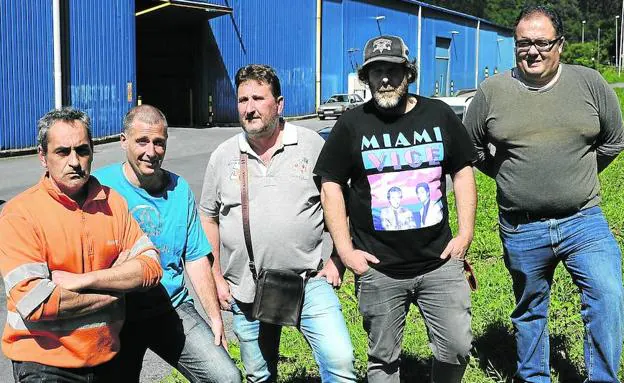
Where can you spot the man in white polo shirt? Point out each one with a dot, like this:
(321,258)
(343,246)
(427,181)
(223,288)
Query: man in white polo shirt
(286,224)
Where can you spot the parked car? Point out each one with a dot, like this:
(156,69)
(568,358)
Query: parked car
(338,104)
(459,103)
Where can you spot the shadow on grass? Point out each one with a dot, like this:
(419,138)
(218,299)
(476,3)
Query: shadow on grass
(496,354)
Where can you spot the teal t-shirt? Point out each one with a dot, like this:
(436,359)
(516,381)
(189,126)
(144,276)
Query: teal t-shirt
(172,223)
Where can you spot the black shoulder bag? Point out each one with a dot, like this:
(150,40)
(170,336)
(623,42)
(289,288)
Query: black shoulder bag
(279,293)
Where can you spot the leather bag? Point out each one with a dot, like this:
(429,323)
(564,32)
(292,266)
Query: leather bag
(279,292)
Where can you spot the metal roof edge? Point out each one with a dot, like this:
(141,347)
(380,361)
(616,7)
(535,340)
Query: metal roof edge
(203,4)
(456,13)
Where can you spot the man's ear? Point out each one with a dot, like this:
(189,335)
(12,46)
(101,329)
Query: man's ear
(42,157)
(280,105)
(123,140)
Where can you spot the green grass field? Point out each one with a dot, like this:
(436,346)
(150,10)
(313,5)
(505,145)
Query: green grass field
(493,359)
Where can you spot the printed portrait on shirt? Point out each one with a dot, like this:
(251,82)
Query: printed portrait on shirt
(406,200)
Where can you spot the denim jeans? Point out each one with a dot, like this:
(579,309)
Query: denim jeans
(183,339)
(591,255)
(322,324)
(31,372)
(443,297)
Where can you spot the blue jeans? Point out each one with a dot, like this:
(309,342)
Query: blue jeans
(322,324)
(591,255)
(31,372)
(183,339)
(443,297)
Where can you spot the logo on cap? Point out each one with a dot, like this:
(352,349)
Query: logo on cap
(382,45)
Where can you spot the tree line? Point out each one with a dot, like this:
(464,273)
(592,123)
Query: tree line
(598,14)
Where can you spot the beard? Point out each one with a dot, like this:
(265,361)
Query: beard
(390,97)
(265,131)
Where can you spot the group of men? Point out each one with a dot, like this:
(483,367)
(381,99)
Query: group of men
(93,266)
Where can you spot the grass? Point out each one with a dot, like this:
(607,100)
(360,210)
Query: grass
(494,353)
(610,73)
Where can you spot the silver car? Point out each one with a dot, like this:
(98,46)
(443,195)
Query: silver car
(338,104)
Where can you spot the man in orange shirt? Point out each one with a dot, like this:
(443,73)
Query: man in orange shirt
(60,247)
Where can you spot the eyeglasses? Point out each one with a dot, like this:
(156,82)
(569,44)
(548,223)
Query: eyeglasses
(540,45)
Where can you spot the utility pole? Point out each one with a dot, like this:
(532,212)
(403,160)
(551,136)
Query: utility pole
(617,43)
(598,63)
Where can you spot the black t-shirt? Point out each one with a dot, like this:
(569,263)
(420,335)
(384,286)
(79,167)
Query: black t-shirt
(396,167)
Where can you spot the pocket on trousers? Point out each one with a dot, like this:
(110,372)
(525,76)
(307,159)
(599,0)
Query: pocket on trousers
(591,212)
(507,227)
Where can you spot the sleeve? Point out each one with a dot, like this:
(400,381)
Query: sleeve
(335,161)
(460,150)
(26,276)
(141,248)
(197,244)
(610,141)
(210,203)
(475,122)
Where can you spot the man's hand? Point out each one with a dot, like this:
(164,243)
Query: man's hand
(70,281)
(216,325)
(357,261)
(223,292)
(456,248)
(333,271)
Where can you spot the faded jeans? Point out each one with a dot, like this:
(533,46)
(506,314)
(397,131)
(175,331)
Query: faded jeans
(322,325)
(31,372)
(184,340)
(443,297)
(588,250)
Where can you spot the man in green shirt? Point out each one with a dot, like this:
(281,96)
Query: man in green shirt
(543,131)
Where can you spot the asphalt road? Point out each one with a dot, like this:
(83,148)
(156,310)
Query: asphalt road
(188,151)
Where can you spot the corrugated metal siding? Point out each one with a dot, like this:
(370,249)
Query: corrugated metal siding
(356,21)
(462,50)
(26,70)
(360,25)
(334,57)
(281,35)
(102,61)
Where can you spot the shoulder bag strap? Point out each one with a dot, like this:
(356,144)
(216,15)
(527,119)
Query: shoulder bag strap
(245,207)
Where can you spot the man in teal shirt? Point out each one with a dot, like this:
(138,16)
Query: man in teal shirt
(164,318)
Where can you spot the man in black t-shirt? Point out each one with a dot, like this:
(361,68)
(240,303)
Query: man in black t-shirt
(399,140)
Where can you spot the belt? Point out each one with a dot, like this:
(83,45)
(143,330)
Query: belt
(520,217)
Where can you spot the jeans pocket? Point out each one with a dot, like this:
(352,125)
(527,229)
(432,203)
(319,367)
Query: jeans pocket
(590,212)
(506,226)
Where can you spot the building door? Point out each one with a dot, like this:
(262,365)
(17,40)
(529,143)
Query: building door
(169,57)
(442,59)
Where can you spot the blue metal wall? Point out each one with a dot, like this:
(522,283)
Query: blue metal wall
(335,58)
(26,70)
(462,50)
(102,61)
(355,21)
(282,35)
(496,51)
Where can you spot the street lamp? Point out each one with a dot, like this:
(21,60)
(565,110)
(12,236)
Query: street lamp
(583,32)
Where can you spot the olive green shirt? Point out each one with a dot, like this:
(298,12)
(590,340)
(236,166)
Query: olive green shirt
(545,147)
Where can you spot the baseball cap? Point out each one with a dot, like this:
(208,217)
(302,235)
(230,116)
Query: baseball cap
(385,48)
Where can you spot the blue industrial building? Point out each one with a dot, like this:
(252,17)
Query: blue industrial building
(104,56)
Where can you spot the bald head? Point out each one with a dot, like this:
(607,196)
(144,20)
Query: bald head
(144,113)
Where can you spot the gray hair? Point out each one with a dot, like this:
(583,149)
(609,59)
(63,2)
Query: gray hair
(146,113)
(67,114)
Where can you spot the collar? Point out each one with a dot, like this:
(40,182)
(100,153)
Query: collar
(289,137)
(543,88)
(95,191)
